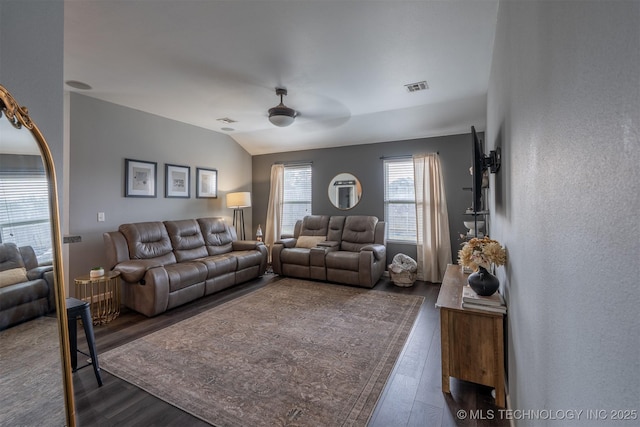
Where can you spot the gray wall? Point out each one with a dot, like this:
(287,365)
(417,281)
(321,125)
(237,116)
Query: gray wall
(364,162)
(102,135)
(564,105)
(31,64)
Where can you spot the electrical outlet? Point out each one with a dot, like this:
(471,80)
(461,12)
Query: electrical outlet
(100,216)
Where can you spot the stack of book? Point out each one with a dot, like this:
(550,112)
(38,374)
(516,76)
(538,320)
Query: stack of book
(493,303)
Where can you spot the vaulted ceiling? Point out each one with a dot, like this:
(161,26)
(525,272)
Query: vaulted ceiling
(344,63)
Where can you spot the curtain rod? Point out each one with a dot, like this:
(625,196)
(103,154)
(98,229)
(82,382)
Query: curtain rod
(296,162)
(405,156)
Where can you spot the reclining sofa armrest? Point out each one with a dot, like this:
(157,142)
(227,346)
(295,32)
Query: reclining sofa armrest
(38,272)
(289,242)
(379,251)
(133,271)
(246,245)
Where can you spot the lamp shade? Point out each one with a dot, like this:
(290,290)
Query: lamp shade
(241,199)
(282,119)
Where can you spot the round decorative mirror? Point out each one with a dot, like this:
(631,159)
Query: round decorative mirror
(344,191)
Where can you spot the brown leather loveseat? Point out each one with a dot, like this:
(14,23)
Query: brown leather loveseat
(167,264)
(26,288)
(340,249)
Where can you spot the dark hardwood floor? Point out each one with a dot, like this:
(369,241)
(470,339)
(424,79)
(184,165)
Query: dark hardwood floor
(412,396)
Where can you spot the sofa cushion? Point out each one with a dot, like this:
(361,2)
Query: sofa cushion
(13,276)
(185,274)
(336,224)
(147,240)
(23,293)
(314,225)
(343,260)
(247,259)
(299,256)
(217,265)
(309,241)
(359,231)
(187,240)
(10,257)
(217,235)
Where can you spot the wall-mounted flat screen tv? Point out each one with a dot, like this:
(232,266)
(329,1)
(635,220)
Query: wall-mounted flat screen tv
(477,170)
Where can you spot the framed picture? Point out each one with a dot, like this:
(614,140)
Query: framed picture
(177,181)
(140,178)
(207,183)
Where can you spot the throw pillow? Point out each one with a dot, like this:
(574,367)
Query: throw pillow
(309,241)
(13,276)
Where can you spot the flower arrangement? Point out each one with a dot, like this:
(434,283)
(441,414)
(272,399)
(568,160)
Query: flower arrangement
(483,252)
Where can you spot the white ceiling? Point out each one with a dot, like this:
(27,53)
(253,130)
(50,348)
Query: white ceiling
(344,63)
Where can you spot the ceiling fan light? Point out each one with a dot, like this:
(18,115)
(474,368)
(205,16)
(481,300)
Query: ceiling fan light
(281,115)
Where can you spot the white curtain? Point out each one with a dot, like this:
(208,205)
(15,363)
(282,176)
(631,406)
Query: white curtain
(432,221)
(274,210)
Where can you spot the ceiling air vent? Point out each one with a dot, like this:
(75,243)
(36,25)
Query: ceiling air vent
(415,87)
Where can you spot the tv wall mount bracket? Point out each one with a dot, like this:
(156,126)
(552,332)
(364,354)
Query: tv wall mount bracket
(492,161)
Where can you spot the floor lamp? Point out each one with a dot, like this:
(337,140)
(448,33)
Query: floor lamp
(238,201)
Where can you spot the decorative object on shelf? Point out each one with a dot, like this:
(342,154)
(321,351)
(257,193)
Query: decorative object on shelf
(238,201)
(259,234)
(96,272)
(475,228)
(483,255)
(483,282)
(403,270)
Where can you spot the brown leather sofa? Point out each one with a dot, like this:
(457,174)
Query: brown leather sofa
(167,264)
(341,249)
(26,288)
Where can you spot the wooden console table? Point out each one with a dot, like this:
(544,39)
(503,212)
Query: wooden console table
(472,340)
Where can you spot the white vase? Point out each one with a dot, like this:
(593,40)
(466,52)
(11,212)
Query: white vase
(96,273)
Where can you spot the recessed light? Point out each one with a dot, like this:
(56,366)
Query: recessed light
(78,85)
(227,129)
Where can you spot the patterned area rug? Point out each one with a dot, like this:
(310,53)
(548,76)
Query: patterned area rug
(31,375)
(294,353)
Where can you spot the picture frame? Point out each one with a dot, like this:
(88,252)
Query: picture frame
(140,178)
(206,183)
(177,181)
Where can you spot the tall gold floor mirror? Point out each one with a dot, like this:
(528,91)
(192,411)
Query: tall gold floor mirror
(36,387)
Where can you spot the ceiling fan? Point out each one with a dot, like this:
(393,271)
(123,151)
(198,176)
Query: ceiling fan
(281,115)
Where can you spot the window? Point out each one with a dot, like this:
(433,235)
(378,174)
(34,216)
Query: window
(24,213)
(297,196)
(399,200)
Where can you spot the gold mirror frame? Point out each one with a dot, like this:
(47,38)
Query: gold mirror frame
(19,118)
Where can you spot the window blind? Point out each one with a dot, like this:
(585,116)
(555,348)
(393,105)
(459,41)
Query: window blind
(297,196)
(24,213)
(399,200)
